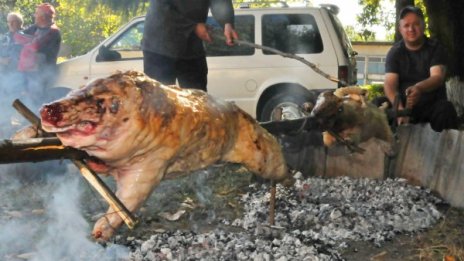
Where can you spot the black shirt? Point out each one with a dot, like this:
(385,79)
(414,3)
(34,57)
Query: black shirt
(170,24)
(414,66)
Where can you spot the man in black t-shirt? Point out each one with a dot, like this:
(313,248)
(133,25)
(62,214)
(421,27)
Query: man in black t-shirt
(415,68)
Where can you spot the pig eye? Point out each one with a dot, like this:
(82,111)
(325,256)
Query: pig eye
(100,108)
(114,106)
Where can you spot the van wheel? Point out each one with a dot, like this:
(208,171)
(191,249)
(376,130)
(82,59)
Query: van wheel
(287,106)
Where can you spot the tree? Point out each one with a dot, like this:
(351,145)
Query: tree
(373,15)
(446,23)
(84,25)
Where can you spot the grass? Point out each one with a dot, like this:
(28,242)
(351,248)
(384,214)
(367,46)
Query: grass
(445,241)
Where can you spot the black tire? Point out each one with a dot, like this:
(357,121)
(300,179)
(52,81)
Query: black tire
(293,101)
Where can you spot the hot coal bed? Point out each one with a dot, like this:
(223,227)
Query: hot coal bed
(315,219)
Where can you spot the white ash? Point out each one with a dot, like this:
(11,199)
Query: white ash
(314,219)
(335,210)
(222,245)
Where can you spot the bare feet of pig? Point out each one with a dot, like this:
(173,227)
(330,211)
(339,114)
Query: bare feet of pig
(106,226)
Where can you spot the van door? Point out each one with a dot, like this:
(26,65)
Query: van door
(230,69)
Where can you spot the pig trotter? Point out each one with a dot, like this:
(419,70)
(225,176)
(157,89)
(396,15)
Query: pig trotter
(103,229)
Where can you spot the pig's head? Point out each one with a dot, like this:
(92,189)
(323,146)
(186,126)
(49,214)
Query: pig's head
(327,106)
(109,118)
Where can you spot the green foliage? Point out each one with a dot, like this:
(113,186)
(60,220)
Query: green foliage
(352,34)
(83,27)
(374,90)
(128,7)
(5,8)
(83,23)
(374,15)
(25,7)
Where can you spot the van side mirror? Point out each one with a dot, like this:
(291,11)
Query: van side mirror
(107,55)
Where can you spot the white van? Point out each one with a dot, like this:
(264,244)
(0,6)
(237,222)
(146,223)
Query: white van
(257,81)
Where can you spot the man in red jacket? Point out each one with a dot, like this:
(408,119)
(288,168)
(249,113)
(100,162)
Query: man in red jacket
(41,43)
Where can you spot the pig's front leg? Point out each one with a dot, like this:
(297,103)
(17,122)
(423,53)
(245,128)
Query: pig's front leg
(133,188)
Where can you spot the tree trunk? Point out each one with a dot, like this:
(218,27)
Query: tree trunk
(446,23)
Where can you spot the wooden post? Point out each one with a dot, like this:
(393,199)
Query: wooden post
(272,203)
(106,193)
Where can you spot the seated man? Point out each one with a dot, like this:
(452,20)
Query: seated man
(415,68)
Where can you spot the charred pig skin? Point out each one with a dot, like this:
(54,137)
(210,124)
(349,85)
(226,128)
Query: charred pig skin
(347,112)
(144,132)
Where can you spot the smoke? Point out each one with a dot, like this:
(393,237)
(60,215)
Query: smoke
(41,203)
(43,221)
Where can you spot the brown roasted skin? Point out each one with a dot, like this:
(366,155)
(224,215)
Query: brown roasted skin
(145,132)
(347,113)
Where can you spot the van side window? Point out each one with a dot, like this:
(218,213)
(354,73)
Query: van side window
(245,27)
(291,33)
(127,46)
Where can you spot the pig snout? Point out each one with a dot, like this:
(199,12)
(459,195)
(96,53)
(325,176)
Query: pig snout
(52,113)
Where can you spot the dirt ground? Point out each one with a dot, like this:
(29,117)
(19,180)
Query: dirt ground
(444,240)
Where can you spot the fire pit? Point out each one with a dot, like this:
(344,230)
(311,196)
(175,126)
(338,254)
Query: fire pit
(225,218)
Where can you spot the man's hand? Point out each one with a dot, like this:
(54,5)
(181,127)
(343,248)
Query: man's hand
(230,34)
(201,30)
(413,94)
(403,120)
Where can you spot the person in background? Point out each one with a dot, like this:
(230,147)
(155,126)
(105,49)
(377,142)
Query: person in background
(415,69)
(11,81)
(172,39)
(10,50)
(41,44)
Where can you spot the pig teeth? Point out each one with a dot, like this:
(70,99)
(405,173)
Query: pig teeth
(85,126)
(58,129)
(84,123)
